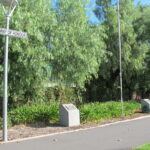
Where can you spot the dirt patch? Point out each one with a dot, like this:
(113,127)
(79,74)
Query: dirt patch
(24,131)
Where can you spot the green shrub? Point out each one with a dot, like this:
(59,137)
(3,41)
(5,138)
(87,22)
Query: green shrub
(130,107)
(47,113)
(108,110)
(61,94)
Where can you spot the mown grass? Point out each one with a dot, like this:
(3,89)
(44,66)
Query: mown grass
(144,147)
(49,113)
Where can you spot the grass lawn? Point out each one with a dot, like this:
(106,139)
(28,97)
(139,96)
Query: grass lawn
(144,147)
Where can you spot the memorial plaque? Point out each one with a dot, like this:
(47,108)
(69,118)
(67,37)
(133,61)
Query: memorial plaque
(69,115)
(145,103)
(70,106)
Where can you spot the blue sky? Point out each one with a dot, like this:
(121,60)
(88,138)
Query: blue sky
(145,2)
(91,6)
(92,17)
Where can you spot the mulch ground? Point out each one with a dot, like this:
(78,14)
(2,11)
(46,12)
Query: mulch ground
(25,131)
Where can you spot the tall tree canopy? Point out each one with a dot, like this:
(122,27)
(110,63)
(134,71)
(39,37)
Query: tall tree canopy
(106,87)
(61,38)
(142,29)
(76,51)
(76,47)
(27,58)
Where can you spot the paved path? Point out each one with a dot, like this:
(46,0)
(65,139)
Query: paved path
(120,136)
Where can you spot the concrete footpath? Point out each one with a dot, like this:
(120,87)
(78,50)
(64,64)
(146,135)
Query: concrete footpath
(119,136)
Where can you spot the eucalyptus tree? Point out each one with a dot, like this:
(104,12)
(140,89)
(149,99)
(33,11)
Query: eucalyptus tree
(142,29)
(133,53)
(28,58)
(76,46)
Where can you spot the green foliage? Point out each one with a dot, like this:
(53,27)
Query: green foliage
(144,147)
(142,23)
(46,113)
(76,47)
(134,52)
(95,112)
(62,95)
(49,112)
(76,51)
(131,106)
(28,58)
(142,29)
(60,38)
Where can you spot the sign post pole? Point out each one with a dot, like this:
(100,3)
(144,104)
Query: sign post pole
(5,94)
(120,59)
(8,12)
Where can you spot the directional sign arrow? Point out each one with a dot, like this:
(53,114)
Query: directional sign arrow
(13,33)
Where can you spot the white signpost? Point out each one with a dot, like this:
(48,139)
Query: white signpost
(13,33)
(7,32)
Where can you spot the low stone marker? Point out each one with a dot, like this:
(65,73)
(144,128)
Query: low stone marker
(145,104)
(69,115)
